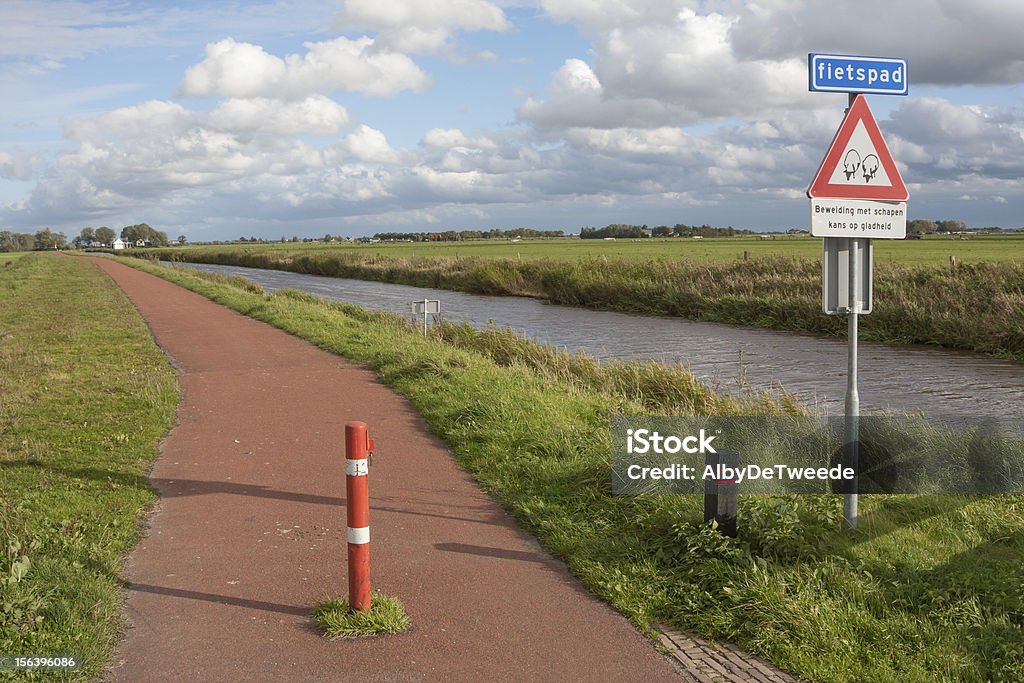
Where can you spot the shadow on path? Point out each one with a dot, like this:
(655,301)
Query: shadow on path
(221,599)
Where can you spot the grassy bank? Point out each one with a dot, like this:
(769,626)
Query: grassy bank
(929,589)
(976,307)
(85,397)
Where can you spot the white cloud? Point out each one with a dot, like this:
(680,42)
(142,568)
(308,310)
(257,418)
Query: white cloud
(454,138)
(598,15)
(676,72)
(938,139)
(575,97)
(370,145)
(234,69)
(155,151)
(19,166)
(946,41)
(136,121)
(417,26)
(314,114)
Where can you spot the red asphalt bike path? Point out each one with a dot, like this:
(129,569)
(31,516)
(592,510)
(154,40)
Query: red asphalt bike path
(249,532)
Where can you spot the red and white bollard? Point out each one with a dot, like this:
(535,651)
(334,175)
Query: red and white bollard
(358,447)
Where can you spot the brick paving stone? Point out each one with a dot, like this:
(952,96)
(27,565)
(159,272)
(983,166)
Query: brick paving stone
(714,662)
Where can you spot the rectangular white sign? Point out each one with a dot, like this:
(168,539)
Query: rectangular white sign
(432,306)
(858,218)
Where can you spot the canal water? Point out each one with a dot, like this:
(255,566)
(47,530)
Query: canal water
(906,378)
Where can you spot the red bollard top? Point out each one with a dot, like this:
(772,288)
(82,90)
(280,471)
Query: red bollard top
(358,444)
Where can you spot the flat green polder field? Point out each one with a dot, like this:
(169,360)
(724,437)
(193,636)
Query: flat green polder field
(929,250)
(9,257)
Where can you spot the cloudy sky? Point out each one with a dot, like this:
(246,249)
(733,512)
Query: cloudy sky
(307,117)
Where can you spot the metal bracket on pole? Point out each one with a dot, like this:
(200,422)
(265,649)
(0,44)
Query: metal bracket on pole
(839,260)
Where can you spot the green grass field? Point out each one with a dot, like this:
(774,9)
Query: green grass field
(930,250)
(85,397)
(930,588)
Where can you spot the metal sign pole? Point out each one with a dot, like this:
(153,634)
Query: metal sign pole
(424,317)
(852,431)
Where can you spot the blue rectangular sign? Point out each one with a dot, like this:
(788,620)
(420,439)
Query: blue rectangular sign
(845,73)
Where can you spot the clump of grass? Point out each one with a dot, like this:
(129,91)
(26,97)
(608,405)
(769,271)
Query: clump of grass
(656,387)
(236,281)
(338,620)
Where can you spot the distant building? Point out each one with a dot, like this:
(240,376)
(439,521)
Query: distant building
(119,243)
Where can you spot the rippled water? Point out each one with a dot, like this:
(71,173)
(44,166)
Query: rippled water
(937,381)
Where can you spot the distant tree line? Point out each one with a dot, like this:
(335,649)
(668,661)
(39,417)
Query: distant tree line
(40,241)
(923,226)
(461,235)
(621,230)
(131,234)
(46,239)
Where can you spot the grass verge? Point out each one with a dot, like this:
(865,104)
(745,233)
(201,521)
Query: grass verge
(386,615)
(931,588)
(978,306)
(85,397)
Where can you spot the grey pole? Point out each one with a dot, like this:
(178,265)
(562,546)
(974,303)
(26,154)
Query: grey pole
(850,445)
(852,426)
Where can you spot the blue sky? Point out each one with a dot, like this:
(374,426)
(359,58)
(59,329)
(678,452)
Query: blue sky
(305,118)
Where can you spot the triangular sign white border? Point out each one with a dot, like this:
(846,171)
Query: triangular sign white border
(822,186)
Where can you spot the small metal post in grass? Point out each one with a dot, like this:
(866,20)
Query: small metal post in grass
(721,495)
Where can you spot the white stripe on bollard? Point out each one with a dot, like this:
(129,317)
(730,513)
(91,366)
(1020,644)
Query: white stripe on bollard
(359,535)
(357,468)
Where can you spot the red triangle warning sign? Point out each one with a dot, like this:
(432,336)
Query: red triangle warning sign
(858,164)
